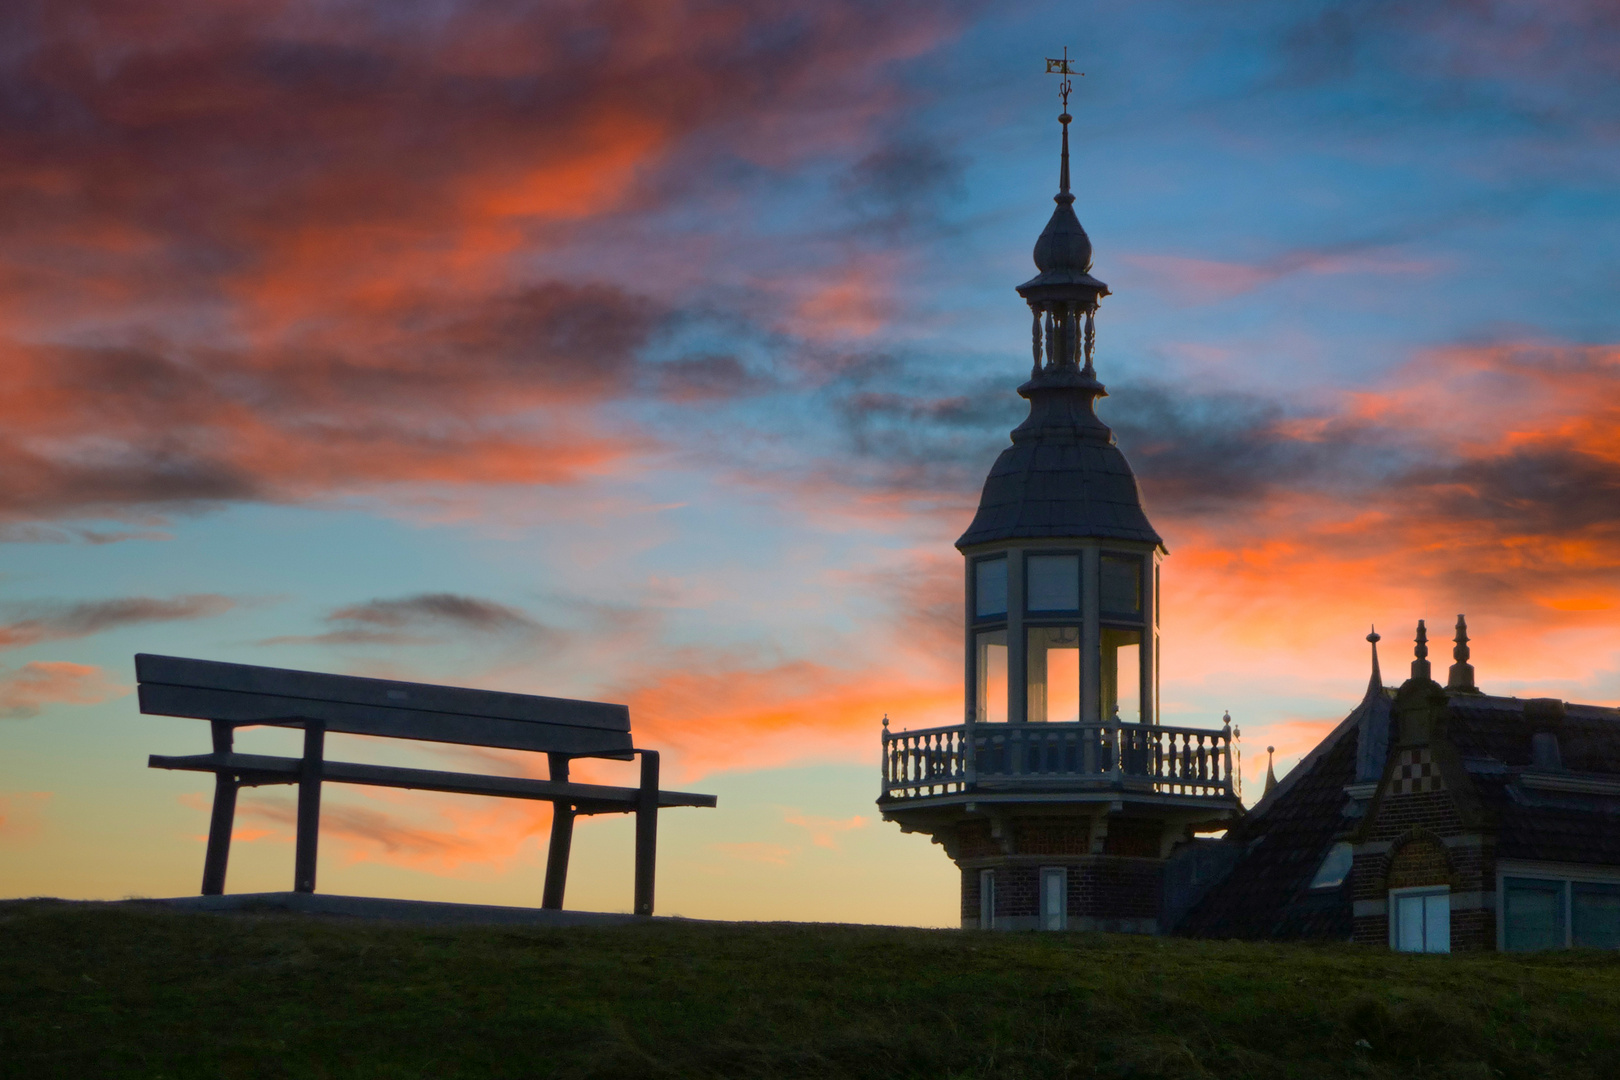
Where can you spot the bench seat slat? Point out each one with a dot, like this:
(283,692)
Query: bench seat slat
(364,719)
(456,701)
(265,768)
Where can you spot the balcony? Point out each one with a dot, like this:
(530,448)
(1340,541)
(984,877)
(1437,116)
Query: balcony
(1058,757)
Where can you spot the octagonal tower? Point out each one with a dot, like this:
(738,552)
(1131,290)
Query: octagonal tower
(1061,795)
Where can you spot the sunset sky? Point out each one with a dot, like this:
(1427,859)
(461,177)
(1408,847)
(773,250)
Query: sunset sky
(655,351)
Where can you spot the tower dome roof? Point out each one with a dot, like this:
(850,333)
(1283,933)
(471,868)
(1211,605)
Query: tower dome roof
(1062,477)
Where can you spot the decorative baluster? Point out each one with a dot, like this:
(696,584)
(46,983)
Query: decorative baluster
(1035,338)
(1091,340)
(1226,740)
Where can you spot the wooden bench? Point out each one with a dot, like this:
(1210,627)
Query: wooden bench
(239,695)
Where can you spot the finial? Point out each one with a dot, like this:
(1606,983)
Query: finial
(1376,683)
(885,719)
(1226,719)
(1061,67)
(1271,773)
(1461,679)
(1420,666)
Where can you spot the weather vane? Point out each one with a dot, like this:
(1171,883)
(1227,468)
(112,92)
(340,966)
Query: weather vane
(1061,67)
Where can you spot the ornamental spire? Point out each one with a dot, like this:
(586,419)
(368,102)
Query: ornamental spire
(1420,666)
(1376,683)
(1461,679)
(1061,67)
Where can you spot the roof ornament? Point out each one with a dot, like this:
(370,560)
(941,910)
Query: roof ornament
(1420,666)
(1063,297)
(1061,67)
(1461,679)
(1377,682)
(1271,774)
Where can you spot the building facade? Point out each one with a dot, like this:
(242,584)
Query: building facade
(1061,796)
(1432,819)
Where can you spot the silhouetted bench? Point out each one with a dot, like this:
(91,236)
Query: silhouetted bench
(240,695)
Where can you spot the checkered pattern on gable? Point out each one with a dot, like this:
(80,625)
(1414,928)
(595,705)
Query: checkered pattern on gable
(1415,773)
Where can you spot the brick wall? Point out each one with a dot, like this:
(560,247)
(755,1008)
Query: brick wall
(1100,886)
(1133,838)
(1418,839)
(1431,810)
(975,842)
(1052,836)
(1421,860)
(1115,887)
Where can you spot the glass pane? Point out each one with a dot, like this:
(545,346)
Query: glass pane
(1596,916)
(1121,684)
(1533,914)
(1437,923)
(1409,923)
(991,668)
(1054,673)
(1335,867)
(1121,586)
(987,899)
(990,587)
(1054,582)
(1052,899)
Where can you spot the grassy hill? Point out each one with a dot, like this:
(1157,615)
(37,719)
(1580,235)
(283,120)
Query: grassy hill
(97,992)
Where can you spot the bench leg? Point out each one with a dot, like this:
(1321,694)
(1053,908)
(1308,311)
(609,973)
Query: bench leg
(646,831)
(223,818)
(562,840)
(309,807)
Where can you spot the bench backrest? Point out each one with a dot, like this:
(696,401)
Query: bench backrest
(247,694)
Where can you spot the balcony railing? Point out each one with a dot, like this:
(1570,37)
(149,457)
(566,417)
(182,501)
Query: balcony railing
(1057,756)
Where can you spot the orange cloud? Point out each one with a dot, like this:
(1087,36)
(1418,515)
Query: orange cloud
(353,239)
(824,831)
(28,689)
(436,834)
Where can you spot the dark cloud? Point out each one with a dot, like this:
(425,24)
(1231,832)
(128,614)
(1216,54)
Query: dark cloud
(343,230)
(416,620)
(1541,491)
(707,377)
(1537,63)
(31,624)
(466,612)
(905,182)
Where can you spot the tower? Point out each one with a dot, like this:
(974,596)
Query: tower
(1060,795)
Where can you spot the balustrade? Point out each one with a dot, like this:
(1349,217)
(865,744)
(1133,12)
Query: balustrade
(1165,760)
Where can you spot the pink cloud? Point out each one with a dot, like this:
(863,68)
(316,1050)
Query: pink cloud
(27,690)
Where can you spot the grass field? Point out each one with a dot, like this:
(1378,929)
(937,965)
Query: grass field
(90,991)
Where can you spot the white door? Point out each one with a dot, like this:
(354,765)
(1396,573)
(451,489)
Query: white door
(1054,897)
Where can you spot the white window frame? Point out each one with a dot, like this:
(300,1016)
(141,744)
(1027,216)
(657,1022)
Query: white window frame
(1396,895)
(1059,919)
(1565,874)
(987,899)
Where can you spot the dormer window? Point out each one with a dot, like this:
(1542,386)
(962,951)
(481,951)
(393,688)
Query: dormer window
(1335,867)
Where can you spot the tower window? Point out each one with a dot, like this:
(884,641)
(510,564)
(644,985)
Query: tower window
(1054,674)
(990,588)
(1054,582)
(1121,586)
(1121,684)
(990,670)
(987,899)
